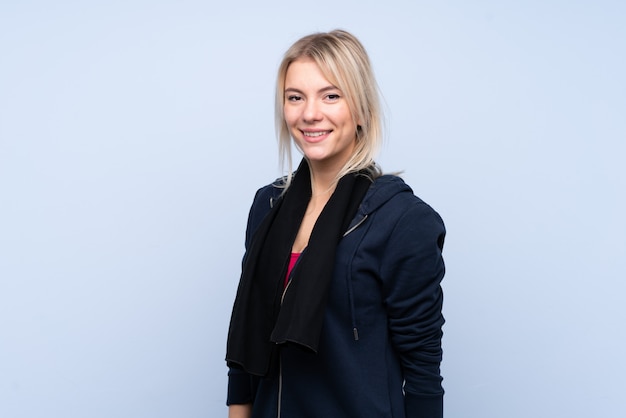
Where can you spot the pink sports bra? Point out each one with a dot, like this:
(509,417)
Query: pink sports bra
(292,262)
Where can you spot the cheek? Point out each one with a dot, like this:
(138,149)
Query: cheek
(289,115)
(343,116)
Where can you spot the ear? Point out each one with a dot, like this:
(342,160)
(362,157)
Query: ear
(359,125)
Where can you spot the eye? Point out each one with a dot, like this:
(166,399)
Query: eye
(333,97)
(293,98)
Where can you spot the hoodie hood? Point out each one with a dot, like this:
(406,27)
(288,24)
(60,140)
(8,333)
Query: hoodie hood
(383,189)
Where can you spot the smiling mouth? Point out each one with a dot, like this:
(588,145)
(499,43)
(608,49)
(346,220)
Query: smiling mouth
(315,134)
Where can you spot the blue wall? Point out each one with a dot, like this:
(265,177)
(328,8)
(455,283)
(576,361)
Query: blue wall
(133,135)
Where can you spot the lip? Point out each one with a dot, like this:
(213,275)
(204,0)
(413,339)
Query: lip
(317,138)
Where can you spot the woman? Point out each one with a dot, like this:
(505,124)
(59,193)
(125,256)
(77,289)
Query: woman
(338,311)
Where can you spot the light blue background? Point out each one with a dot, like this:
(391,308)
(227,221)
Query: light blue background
(133,135)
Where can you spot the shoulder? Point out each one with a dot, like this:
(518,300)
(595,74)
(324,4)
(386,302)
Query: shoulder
(268,194)
(390,193)
(264,199)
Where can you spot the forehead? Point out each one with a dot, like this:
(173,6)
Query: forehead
(307,71)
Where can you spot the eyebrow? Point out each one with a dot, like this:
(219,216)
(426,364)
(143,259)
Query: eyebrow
(322,90)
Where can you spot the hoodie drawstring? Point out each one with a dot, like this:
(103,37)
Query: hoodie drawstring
(355,331)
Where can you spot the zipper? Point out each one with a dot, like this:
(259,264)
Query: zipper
(280,386)
(280,363)
(356,225)
(282,296)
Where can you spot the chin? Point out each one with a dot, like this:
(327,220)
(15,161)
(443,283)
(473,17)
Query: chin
(316,157)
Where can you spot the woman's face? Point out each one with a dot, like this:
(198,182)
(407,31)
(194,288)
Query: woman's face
(318,116)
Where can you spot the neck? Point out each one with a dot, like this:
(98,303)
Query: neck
(323,180)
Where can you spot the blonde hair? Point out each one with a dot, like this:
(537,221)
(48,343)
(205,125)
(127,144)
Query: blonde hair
(345,63)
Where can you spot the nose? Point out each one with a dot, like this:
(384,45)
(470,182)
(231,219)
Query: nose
(311,112)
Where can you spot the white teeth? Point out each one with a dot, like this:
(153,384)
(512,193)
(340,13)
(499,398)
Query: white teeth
(315,134)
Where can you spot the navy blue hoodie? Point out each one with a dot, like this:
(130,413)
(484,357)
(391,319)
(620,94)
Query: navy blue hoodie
(380,347)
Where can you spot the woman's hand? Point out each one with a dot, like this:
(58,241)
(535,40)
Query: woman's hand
(240,411)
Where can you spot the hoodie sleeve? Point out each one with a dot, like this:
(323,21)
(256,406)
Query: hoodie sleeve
(412,269)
